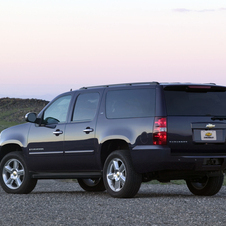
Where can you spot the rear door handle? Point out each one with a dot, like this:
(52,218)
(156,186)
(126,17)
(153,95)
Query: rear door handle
(58,132)
(88,130)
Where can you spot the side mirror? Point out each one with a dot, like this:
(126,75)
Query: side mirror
(31,117)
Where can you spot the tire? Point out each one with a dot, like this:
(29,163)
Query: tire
(14,174)
(120,179)
(92,185)
(207,186)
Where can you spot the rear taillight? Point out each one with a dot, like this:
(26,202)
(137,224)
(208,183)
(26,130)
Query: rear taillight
(160,131)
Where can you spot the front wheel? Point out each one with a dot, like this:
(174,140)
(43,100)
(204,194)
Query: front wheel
(14,174)
(120,179)
(206,186)
(93,185)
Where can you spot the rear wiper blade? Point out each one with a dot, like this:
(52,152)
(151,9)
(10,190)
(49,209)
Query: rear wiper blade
(219,117)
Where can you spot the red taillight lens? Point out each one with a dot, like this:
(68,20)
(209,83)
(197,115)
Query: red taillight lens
(160,131)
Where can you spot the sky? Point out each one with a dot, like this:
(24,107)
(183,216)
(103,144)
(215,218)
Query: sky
(48,47)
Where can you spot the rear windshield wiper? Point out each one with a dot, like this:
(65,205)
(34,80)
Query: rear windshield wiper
(219,118)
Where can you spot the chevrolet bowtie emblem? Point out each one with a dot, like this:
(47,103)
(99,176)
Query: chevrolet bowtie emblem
(208,134)
(210,126)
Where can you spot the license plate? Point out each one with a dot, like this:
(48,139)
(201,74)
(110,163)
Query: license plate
(208,135)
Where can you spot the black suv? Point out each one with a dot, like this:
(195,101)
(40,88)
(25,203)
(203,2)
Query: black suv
(114,137)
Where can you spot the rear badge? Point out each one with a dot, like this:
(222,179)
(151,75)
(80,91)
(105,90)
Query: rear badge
(210,126)
(178,141)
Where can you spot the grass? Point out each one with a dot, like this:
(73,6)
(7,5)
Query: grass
(4,125)
(13,110)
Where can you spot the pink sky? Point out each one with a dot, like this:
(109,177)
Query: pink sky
(48,47)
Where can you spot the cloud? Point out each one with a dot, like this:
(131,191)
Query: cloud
(205,10)
(184,10)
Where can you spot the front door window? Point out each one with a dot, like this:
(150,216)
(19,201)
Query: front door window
(57,111)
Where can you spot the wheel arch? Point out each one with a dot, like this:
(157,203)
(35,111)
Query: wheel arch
(7,148)
(112,145)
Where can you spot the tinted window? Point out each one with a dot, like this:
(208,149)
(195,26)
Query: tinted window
(196,103)
(86,107)
(57,111)
(130,103)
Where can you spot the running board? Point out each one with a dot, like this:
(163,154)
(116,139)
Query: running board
(83,175)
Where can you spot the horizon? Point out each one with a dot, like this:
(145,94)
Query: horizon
(49,97)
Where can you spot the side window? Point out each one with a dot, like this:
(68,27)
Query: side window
(57,111)
(86,107)
(130,103)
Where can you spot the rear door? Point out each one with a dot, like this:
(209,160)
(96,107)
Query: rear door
(196,119)
(81,144)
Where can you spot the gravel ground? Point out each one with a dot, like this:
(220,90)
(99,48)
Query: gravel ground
(58,202)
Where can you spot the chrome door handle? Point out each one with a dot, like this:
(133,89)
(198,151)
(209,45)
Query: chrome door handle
(57,132)
(88,130)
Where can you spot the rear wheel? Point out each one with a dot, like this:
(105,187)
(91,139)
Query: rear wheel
(14,174)
(96,184)
(206,186)
(120,179)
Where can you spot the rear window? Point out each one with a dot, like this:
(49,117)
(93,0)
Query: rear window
(130,103)
(196,100)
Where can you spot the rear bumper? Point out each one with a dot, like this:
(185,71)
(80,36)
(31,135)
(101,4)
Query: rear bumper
(152,158)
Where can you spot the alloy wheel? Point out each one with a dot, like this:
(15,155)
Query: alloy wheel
(116,174)
(13,173)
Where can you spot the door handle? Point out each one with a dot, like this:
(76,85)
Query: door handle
(57,132)
(88,130)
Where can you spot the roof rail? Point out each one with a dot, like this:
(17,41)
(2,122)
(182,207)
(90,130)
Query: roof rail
(186,83)
(122,84)
(210,83)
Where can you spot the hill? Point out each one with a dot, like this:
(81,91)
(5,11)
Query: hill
(13,110)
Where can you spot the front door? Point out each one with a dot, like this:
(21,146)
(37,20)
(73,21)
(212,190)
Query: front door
(45,141)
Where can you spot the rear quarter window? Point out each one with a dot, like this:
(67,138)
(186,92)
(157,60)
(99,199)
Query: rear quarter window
(130,103)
